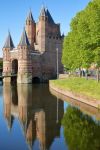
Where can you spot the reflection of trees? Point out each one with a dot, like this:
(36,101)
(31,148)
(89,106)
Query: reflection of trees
(80,130)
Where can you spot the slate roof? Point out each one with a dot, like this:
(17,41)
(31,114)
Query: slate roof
(45,12)
(9,42)
(50,19)
(24,39)
(30,16)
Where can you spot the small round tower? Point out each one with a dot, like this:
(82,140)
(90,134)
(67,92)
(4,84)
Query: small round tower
(24,60)
(30,28)
(8,46)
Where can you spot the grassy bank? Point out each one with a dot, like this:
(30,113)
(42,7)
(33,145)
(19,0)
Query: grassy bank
(82,86)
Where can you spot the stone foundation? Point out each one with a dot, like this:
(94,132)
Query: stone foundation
(7,80)
(24,78)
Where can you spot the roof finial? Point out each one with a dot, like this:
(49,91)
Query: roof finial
(43,5)
(8,31)
(43,10)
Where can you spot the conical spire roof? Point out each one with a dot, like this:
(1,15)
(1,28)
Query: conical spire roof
(9,42)
(43,11)
(9,120)
(24,39)
(30,16)
(50,19)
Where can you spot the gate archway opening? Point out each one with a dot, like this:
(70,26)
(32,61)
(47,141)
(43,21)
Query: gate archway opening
(14,71)
(36,80)
(14,66)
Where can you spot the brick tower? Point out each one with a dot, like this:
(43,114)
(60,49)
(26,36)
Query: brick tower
(35,58)
(24,60)
(30,28)
(8,46)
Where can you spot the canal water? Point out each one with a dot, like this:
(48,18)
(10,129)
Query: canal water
(31,118)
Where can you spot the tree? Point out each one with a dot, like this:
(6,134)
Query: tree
(81,45)
(1,64)
(81,132)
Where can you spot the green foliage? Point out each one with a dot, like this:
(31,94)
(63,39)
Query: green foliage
(89,88)
(82,44)
(81,132)
(1,64)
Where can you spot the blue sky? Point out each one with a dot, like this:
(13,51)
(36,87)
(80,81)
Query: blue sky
(14,12)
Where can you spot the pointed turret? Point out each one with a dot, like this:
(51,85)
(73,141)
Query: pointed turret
(41,30)
(24,39)
(9,42)
(30,17)
(30,28)
(50,19)
(8,46)
(24,60)
(43,12)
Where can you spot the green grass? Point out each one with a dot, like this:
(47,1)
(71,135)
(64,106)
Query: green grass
(88,87)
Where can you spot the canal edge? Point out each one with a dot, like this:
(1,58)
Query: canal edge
(72,95)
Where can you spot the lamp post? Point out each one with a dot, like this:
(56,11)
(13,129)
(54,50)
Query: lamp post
(57,119)
(57,64)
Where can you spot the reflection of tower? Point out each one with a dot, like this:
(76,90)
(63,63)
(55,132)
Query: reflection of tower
(40,128)
(36,111)
(31,132)
(14,95)
(46,127)
(23,103)
(26,116)
(7,105)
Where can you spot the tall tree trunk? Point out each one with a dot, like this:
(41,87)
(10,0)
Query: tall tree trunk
(97,74)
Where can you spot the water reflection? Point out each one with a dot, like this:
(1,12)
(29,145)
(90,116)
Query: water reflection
(92,111)
(81,131)
(38,112)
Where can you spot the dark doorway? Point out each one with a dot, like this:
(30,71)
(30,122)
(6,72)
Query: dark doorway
(36,80)
(14,80)
(14,71)
(14,66)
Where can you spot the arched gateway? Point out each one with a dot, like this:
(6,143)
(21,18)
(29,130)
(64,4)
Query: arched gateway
(36,80)
(36,54)
(14,66)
